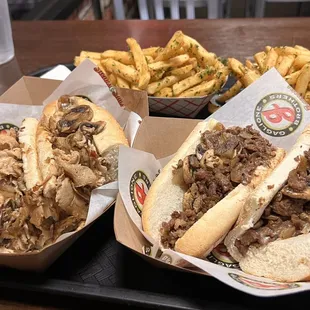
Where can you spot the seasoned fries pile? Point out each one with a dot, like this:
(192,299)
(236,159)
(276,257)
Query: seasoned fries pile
(293,63)
(183,68)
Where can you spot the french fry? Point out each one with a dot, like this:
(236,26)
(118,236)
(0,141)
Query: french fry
(271,60)
(292,78)
(140,61)
(156,75)
(158,85)
(135,87)
(231,92)
(307,97)
(112,79)
(218,65)
(285,64)
(237,67)
(152,51)
(205,88)
(251,66)
(260,60)
(299,47)
(174,44)
(181,70)
(192,61)
(187,83)
(300,61)
(249,77)
(280,58)
(102,69)
(165,92)
(221,77)
(292,69)
(287,50)
(92,55)
(267,49)
(303,80)
(120,69)
(122,83)
(125,58)
(196,50)
(149,59)
(172,62)
(78,60)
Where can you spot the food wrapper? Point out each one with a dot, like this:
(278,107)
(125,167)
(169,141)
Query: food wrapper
(275,110)
(86,80)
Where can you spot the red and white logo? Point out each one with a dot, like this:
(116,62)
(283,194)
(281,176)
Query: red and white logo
(278,114)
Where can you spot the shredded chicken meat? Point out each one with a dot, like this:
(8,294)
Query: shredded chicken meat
(33,219)
(288,214)
(223,159)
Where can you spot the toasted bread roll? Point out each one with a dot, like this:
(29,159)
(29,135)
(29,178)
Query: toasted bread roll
(171,193)
(271,238)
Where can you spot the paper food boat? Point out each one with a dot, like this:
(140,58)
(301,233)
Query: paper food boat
(159,138)
(25,98)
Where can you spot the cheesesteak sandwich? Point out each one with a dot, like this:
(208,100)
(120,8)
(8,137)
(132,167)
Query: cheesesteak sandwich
(52,167)
(198,196)
(271,238)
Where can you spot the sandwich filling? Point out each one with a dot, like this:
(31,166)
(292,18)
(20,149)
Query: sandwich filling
(31,219)
(223,159)
(287,215)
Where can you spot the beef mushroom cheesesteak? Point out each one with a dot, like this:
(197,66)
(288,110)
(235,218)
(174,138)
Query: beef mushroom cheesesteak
(197,197)
(271,238)
(56,163)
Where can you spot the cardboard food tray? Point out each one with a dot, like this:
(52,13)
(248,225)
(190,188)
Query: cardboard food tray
(106,271)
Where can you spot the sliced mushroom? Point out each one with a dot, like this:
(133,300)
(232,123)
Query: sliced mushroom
(64,102)
(210,160)
(73,118)
(187,171)
(200,150)
(89,128)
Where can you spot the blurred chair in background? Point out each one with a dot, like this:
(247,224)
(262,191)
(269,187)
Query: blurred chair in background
(154,9)
(261,4)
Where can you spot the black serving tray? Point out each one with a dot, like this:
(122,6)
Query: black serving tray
(97,271)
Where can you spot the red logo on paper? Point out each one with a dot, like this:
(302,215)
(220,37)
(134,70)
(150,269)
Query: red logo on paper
(262,285)
(140,193)
(4,128)
(278,114)
(220,256)
(138,188)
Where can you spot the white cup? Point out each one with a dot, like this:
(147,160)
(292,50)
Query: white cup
(6,40)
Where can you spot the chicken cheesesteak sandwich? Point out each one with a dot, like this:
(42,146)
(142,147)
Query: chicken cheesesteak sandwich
(197,197)
(271,237)
(53,165)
